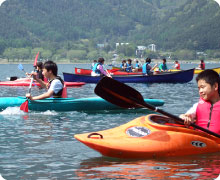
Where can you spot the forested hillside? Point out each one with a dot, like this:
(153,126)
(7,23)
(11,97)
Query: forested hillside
(81,24)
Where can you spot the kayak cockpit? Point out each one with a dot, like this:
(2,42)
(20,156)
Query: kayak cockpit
(163,120)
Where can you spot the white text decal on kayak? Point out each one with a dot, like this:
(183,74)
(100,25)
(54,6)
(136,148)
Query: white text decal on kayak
(138,131)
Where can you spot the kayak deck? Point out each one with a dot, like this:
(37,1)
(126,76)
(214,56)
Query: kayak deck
(149,137)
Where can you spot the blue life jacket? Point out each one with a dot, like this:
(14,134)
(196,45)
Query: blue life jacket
(94,69)
(128,68)
(145,69)
(137,65)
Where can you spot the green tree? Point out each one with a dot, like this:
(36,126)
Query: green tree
(185,54)
(7,54)
(92,55)
(151,54)
(23,53)
(76,54)
(46,54)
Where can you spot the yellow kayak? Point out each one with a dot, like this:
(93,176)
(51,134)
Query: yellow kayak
(197,71)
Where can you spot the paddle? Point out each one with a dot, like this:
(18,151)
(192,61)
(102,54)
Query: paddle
(20,67)
(106,71)
(126,97)
(24,106)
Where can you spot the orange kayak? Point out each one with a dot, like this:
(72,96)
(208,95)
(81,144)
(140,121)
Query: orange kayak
(149,137)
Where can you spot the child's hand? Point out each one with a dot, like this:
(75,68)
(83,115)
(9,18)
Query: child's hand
(187,119)
(28,95)
(34,74)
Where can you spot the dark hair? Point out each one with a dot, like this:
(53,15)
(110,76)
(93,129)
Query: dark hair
(40,65)
(101,60)
(164,60)
(129,60)
(50,65)
(148,60)
(210,76)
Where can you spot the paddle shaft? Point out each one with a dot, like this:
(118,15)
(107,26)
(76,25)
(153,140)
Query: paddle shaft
(106,71)
(125,96)
(24,106)
(176,118)
(29,89)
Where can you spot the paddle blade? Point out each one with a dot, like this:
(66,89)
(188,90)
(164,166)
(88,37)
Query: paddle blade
(35,61)
(24,106)
(118,93)
(20,67)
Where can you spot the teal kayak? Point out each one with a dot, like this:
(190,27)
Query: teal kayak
(67,104)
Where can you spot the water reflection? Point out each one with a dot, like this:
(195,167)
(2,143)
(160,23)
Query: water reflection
(40,145)
(190,167)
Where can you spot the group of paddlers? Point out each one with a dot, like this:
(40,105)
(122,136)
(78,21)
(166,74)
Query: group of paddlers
(99,69)
(127,66)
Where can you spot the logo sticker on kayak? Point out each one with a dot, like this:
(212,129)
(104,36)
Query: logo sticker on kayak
(138,131)
(198,144)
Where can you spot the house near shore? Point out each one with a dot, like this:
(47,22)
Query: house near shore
(140,49)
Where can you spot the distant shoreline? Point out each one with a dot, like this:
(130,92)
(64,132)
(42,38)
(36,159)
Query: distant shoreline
(154,61)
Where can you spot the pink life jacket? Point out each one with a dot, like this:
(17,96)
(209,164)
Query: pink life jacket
(208,115)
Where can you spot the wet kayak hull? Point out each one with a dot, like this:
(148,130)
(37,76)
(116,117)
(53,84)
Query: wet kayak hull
(67,104)
(26,82)
(149,137)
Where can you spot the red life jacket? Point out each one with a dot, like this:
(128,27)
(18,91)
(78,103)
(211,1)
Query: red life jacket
(202,66)
(208,115)
(178,66)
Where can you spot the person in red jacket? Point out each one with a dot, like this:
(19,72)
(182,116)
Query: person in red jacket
(206,113)
(176,65)
(201,65)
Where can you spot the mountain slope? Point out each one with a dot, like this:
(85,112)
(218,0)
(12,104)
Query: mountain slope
(171,24)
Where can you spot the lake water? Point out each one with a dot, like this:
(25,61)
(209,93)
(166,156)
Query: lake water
(41,146)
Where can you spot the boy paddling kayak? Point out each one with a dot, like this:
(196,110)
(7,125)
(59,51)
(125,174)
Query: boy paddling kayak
(55,84)
(206,113)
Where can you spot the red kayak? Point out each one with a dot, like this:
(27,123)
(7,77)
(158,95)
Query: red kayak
(111,71)
(26,82)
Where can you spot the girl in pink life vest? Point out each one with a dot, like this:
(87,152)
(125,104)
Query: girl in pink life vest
(206,113)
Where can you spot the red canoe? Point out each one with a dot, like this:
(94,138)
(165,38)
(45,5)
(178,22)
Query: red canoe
(111,71)
(26,82)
